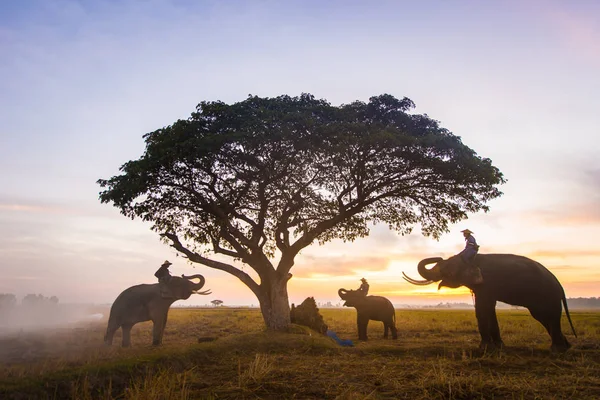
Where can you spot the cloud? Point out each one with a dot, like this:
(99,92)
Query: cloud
(570,268)
(580,211)
(580,208)
(579,30)
(566,253)
(310,265)
(591,182)
(43,208)
(97,75)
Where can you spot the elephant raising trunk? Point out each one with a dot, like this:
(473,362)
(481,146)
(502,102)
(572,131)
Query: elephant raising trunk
(197,286)
(508,278)
(374,308)
(430,275)
(150,302)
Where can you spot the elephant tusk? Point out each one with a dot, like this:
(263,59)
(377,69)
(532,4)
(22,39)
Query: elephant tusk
(417,282)
(414,281)
(204,292)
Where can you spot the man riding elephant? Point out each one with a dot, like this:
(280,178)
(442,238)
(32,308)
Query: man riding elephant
(468,256)
(164,276)
(364,287)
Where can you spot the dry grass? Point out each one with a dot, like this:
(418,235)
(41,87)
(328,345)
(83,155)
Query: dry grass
(435,357)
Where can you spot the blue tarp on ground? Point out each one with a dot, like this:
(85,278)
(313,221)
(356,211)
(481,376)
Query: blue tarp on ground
(341,342)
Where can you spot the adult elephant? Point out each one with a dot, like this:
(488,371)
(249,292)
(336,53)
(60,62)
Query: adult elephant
(149,302)
(508,278)
(374,308)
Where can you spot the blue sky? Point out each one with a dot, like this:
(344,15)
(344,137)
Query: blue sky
(82,81)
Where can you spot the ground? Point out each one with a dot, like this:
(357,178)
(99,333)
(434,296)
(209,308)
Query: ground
(225,354)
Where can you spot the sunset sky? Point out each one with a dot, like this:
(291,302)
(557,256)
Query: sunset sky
(82,81)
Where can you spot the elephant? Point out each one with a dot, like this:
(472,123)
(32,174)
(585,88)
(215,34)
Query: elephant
(147,302)
(376,308)
(508,278)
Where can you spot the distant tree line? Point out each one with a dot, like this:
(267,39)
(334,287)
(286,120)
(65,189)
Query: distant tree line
(35,311)
(8,300)
(584,302)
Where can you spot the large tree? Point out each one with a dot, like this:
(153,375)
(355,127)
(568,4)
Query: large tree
(261,179)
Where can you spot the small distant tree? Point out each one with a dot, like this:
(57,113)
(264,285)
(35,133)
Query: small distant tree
(217,303)
(7,300)
(38,299)
(32,299)
(259,180)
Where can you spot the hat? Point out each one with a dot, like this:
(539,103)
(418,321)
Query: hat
(363,279)
(466,231)
(167,263)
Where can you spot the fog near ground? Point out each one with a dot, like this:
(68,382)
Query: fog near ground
(36,312)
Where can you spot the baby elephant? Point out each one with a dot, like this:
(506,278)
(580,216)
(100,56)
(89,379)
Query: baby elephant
(149,302)
(376,308)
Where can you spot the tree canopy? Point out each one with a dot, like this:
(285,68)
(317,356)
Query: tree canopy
(269,175)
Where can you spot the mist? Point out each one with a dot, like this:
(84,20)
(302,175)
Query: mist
(37,312)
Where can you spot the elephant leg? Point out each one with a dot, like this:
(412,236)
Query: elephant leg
(158,329)
(495,330)
(485,311)
(386,327)
(362,323)
(110,332)
(389,325)
(549,316)
(127,335)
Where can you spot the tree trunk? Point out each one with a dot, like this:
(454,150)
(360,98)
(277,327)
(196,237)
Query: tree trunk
(274,304)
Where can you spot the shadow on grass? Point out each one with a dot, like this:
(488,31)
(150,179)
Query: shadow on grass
(122,373)
(267,363)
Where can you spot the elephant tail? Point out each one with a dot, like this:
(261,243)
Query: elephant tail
(564,300)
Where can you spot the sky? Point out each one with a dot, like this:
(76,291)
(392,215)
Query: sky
(82,80)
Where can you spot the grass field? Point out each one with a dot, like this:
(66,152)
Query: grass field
(225,354)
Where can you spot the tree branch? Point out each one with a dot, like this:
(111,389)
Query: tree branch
(195,257)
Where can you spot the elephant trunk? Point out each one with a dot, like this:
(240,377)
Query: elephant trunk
(199,285)
(342,293)
(432,274)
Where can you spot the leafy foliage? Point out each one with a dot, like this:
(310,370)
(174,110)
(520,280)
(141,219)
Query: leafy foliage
(247,175)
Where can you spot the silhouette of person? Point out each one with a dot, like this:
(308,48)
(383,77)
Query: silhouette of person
(471,247)
(364,287)
(164,276)
(163,273)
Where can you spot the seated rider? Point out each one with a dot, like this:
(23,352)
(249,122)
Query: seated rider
(471,247)
(468,254)
(364,287)
(163,274)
